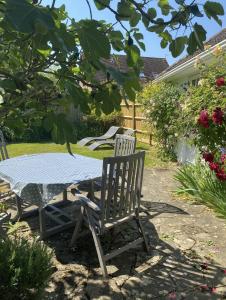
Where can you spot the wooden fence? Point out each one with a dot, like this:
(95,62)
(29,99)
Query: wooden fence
(133,117)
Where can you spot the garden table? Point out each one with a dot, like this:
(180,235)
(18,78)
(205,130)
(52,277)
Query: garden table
(38,178)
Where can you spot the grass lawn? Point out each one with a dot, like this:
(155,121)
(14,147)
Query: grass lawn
(152,158)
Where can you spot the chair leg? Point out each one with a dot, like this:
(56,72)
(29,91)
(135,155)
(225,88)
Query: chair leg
(98,246)
(77,227)
(19,207)
(139,225)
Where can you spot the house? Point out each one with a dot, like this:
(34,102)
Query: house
(183,72)
(152,67)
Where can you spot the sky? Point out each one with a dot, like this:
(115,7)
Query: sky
(78,9)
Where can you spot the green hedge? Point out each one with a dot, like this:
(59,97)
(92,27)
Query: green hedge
(90,125)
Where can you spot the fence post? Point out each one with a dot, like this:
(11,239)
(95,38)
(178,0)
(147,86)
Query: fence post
(134,115)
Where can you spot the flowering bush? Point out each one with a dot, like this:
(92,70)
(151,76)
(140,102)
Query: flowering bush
(204,106)
(217,163)
(161,107)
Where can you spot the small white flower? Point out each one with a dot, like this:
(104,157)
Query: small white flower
(201,82)
(155,123)
(176,134)
(166,126)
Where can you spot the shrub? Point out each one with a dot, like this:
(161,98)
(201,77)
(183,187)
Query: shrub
(93,125)
(161,107)
(203,104)
(25,268)
(201,183)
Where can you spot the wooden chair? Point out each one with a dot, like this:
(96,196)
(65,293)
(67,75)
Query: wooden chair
(3,150)
(5,192)
(124,145)
(119,202)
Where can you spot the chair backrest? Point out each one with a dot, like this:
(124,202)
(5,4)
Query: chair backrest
(3,151)
(129,131)
(124,145)
(121,187)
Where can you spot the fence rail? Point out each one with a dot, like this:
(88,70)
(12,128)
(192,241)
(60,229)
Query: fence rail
(133,117)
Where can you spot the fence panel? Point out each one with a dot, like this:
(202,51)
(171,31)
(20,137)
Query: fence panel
(133,117)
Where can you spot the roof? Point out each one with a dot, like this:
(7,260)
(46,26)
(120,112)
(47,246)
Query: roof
(214,40)
(152,66)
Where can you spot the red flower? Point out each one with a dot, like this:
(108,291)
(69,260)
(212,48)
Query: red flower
(224,271)
(223,158)
(220,81)
(204,118)
(221,174)
(214,166)
(217,116)
(172,295)
(209,157)
(212,290)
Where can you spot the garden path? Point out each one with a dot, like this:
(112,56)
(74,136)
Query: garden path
(187,259)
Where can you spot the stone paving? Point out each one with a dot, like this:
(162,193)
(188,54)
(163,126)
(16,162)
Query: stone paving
(187,258)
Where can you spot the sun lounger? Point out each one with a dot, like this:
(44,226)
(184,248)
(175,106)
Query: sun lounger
(110,142)
(108,135)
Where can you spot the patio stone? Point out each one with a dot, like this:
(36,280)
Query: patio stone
(187,255)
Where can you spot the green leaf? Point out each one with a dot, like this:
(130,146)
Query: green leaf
(192,44)
(145,21)
(165,7)
(116,39)
(152,13)
(177,46)
(8,84)
(133,55)
(94,42)
(163,43)
(44,52)
(213,10)
(142,45)
(200,34)
(26,17)
(138,36)
(196,39)
(134,19)
(101,4)
(125,10)
(194,9)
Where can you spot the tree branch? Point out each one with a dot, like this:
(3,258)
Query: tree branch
(90,10)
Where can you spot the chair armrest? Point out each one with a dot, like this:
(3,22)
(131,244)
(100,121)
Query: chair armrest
(87,202)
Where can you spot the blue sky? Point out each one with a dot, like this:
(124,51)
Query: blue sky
(78,9)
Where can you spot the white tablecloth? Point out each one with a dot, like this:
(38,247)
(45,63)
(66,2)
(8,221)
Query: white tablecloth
(39,177)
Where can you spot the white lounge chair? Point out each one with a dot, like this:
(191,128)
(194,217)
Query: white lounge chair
(108,135)
(110,142)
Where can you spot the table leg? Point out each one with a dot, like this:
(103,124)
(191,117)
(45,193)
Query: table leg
(19,209)
(65,195)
